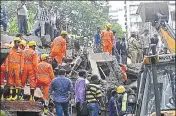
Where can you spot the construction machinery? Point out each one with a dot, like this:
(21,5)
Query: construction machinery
(158,14)
(156,90)
(156,83)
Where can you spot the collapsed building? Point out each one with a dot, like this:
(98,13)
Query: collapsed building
(101,64)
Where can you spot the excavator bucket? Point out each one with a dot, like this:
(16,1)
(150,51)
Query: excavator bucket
(147,11)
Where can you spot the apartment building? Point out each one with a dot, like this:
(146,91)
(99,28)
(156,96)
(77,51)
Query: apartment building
(116,13)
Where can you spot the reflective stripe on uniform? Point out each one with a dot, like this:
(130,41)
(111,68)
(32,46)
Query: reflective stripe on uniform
(43,75)
(27,62)
(14,60)
(124,101)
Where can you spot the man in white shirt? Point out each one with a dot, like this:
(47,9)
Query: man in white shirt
(145,42)
(22,13)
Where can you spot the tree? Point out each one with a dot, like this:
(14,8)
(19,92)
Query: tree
(118,28)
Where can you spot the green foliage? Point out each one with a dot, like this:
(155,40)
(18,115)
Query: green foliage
(30,20)
(13,27)
(119,32)
(2,113)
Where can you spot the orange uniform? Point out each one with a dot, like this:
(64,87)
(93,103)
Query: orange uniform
(45,74)
(107,41)
(15,64)
(123,69)
(3,71)
(58,49)
(30,67)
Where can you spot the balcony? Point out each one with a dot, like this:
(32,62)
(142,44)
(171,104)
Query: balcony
(115,11)
(134,4)
(133,14)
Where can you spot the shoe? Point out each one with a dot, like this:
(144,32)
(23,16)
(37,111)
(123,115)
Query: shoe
(45,110)
(32,98)
(2,97)
(10,98)
(21,98)
(15,98)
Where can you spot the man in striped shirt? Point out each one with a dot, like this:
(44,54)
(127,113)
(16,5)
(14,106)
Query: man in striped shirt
(41,18)
(94,96)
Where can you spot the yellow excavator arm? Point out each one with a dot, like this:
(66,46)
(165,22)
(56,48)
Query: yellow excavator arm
(167,38)
(158,14)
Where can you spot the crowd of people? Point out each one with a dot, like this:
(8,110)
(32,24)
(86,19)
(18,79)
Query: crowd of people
(136,47)
(23,63)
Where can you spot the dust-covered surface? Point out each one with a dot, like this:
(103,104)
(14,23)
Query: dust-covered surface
(13,106)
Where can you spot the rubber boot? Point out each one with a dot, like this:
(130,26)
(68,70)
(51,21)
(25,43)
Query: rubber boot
(2,93)
(16,94)
(32,94)
(11,92)
(21,94)
(45,110)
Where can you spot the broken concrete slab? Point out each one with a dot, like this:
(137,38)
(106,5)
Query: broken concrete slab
(6,38)
(101,57)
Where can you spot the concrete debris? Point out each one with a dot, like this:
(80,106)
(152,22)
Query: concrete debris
(26,106)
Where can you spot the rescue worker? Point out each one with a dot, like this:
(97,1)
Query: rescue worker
(11,45)
(45,74)
(23,44)
(123,69)
(107,39)
(3,75)
(30,68)
(15,68)
(58,48)
(122,100)
(3,72)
